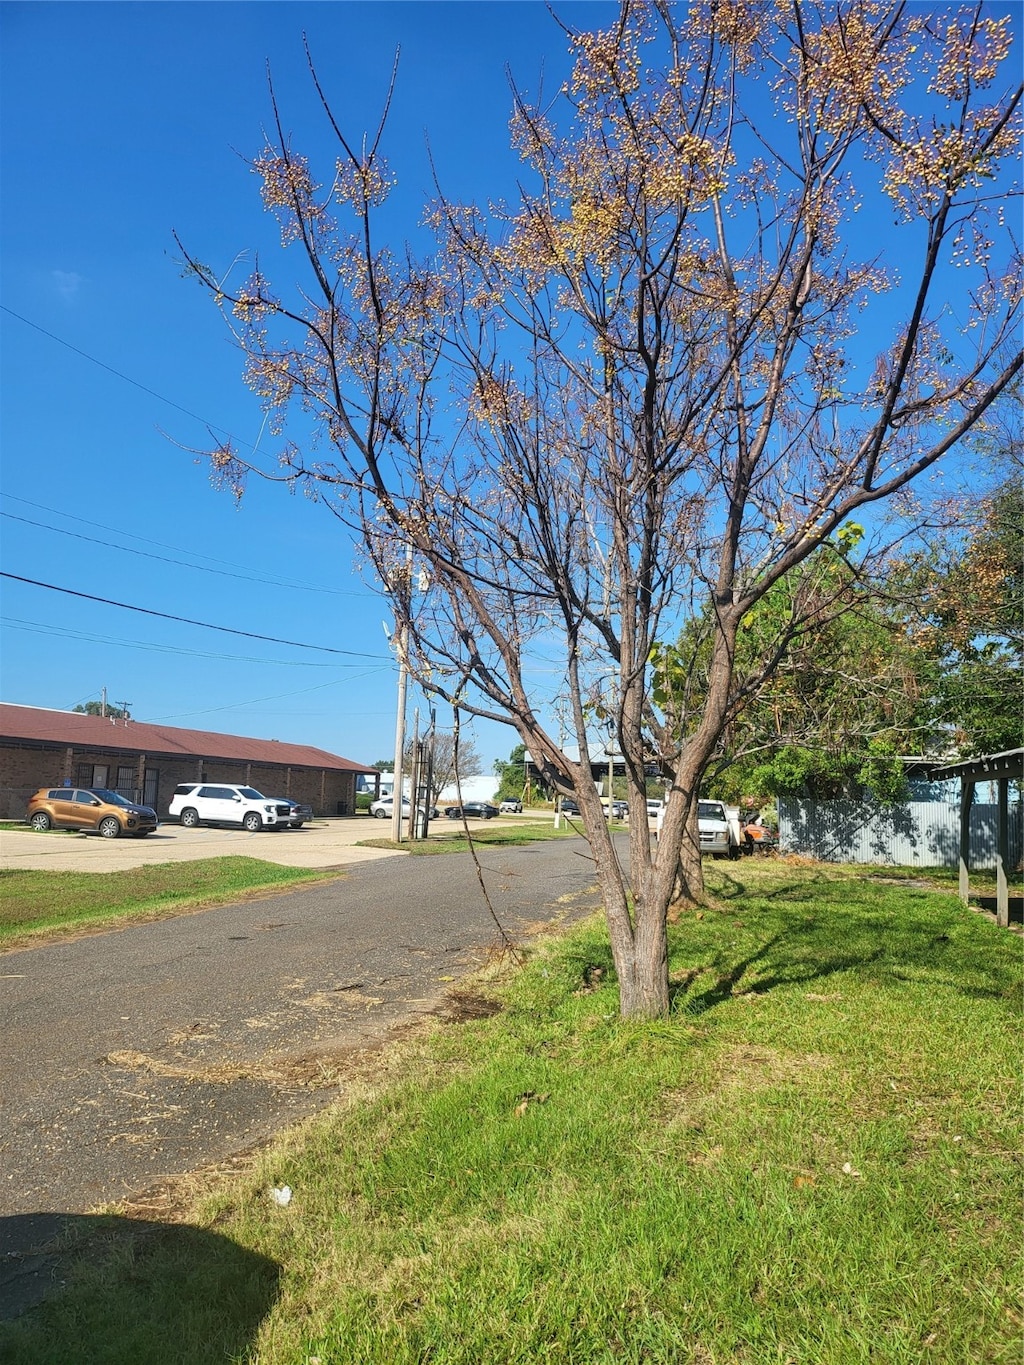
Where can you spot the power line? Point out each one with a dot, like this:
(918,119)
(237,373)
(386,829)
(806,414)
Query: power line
(188,621)
(118,530)
(213,426)
(148,540)
(89,637)
(180,563)
(255,701)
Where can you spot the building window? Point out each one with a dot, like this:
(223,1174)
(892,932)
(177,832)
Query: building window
(92,775)
(126,781)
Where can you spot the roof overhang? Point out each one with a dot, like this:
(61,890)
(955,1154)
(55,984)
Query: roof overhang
(985,768)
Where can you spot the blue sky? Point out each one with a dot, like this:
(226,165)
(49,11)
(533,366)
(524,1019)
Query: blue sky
(120,124)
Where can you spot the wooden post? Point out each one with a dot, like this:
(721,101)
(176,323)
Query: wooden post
(1003,856)
(966,799)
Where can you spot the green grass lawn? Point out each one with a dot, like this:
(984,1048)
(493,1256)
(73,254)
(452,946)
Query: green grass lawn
(34,903)
(505,836)
(815,1159)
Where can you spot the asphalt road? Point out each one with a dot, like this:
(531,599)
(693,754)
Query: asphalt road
(131,1057)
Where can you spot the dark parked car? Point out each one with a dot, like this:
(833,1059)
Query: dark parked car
(472,810)
(569,806)
(300,811)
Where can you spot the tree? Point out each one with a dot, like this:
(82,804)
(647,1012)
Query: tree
(449,759)
(852,694)
(972,602)
(511,774)
(656,382)
(95,708)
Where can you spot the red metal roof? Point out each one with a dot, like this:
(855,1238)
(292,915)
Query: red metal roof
(32,724)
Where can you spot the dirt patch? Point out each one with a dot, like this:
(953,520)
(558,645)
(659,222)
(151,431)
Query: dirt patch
(173,1199)
(749,1067)
(314,1072)
(916,883)
(322,1068)
(740,1068)
(462,1006)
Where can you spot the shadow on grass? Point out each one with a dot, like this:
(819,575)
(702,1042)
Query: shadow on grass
(814,928)
(77,1287)
(787,972)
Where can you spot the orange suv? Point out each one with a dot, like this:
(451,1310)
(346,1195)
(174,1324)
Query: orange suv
(91,808)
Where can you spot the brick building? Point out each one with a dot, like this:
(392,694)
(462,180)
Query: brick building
(42,748)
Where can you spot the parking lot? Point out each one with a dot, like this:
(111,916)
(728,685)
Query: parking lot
(324,843)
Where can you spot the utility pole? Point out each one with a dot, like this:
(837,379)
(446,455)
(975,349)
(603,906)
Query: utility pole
(429,796)
(612,749)
(560,713)
(414,777)
(403,682)
(396,791)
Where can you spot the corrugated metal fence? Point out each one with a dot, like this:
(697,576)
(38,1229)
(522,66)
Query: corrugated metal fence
(915,834)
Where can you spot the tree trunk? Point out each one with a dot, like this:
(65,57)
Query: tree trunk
(644,994)
(689,887)
(637,931)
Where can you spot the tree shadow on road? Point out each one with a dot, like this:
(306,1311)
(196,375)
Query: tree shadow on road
(102,1288)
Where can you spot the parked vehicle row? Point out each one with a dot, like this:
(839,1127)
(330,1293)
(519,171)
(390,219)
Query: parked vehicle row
(723,832)
(110,814)
(193,803)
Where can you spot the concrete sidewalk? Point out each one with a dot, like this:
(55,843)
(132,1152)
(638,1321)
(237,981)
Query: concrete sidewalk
(323,843)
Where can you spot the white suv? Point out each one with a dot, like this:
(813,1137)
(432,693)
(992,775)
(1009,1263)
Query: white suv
(208,803)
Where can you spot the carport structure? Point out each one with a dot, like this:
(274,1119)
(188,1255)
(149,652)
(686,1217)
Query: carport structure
(1002,769)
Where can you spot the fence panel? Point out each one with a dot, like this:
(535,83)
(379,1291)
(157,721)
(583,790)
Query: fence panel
(914,834)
